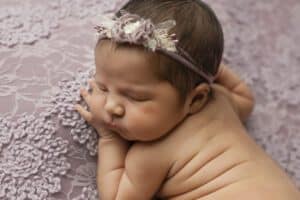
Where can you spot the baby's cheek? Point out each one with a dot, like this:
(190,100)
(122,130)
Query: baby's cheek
(133,114)
(143,118)
(148,111)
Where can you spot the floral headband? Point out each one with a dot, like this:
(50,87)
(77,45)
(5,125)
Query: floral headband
(131,28)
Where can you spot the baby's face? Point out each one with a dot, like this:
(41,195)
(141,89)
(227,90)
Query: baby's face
(134,103)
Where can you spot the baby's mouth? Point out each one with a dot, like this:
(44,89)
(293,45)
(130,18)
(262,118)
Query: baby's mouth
(112,127)
(117,129)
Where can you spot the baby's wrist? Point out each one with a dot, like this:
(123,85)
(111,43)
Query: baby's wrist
(106,134)
(110,136)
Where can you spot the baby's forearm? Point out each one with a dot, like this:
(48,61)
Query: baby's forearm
(111,162)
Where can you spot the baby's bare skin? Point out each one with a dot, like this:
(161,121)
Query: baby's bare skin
(206,153)
(211,157)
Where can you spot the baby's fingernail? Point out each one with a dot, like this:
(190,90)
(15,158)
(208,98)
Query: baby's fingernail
(76,106)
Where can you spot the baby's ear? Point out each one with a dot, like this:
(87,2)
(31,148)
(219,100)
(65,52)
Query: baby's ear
(198,97)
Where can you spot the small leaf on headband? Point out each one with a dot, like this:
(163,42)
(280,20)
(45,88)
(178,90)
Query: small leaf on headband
(136,30)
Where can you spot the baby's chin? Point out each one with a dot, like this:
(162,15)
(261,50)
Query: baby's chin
(127,136)
(139,138)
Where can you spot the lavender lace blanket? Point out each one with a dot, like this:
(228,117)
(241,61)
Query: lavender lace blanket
(46,53)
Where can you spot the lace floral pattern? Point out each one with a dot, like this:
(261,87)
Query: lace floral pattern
(48,152)
(32,159)
(261,44)
(63,105)
(41,152)
(28,23)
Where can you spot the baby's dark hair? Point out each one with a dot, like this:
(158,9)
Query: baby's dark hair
(198,31)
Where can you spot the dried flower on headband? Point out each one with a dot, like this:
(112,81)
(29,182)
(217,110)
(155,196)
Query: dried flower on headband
(131,28)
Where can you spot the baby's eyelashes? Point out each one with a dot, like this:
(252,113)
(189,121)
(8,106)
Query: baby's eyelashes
(126,93)
(136,98)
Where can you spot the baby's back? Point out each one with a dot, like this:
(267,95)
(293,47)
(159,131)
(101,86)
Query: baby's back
(215,159)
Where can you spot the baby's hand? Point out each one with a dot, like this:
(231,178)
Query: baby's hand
(237,90)
(93,116)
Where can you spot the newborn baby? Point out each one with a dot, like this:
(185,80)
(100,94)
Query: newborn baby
(169,115)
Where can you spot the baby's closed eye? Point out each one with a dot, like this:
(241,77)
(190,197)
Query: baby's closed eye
(136,96)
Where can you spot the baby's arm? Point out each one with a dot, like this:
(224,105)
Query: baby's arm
(112,149)
(111,163)
(145,170)
(124,172)
(238,91)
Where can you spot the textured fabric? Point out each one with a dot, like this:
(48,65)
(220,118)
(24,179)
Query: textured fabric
(46,53)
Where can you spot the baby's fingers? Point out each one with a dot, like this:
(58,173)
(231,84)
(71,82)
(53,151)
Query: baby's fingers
(84,113)
(85,95)
(93,85)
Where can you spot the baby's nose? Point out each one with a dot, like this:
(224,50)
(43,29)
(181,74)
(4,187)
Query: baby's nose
(114,108)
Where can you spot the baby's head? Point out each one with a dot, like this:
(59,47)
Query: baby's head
(147,93)
(198,32)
